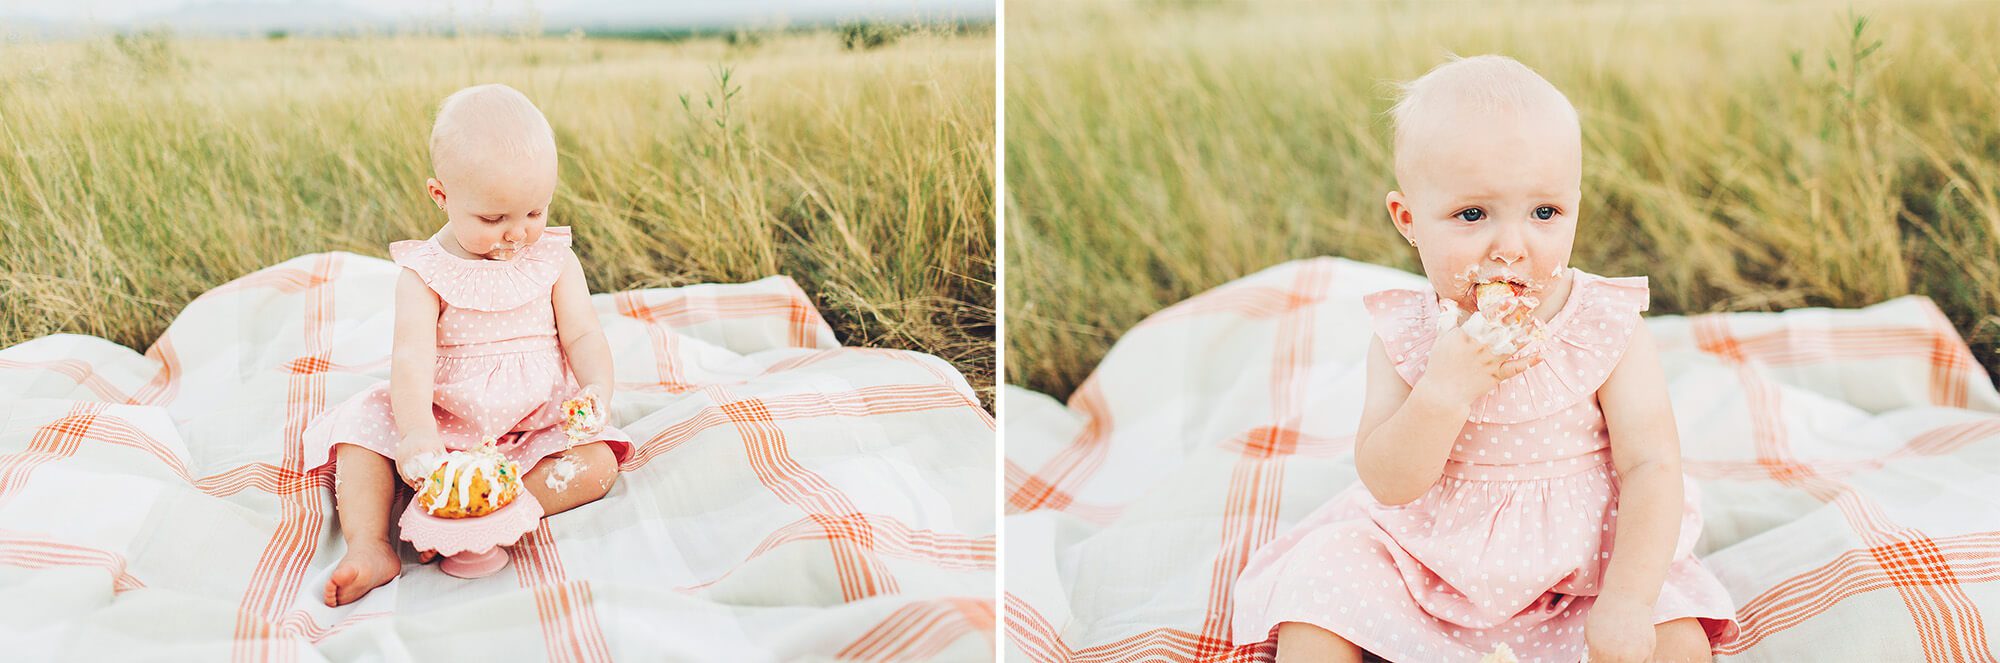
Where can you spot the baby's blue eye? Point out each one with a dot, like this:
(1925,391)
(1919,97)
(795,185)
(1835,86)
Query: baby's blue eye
(1545,212)
(1470,214)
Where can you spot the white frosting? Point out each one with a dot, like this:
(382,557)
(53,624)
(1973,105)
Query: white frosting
(461,466)
(1483,325)
(564,469)
(589,419)
(1503,654)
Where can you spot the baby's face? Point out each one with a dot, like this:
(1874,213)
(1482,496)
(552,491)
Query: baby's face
(1491,197)
(497,208)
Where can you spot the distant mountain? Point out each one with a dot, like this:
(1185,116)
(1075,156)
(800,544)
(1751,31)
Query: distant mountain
(252,18)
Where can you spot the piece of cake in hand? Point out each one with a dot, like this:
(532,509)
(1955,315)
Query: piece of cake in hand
(1504,319)
(1503,654)
(581,417)
(471,483)
(1506,303)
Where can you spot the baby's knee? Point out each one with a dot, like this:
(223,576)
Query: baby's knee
(1681,641)
(596,471)
(1299,641)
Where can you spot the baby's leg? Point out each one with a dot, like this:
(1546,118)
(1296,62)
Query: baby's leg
(364,485)
(1299,641)
(573,478)
(1681,641)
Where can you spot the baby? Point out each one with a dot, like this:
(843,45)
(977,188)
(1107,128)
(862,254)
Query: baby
(1499,467)
(494,331)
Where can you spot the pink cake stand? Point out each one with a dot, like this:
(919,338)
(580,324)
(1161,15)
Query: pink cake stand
(471,546)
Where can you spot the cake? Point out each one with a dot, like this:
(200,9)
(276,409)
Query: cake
(1502,654)
(471,483)
(581,417)
(1504,317)
(1505,303)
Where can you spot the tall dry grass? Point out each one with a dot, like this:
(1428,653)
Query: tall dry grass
(138,172)
(1746,155)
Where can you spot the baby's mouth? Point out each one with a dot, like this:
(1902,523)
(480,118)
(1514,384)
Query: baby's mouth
(1470,280)
(503,252)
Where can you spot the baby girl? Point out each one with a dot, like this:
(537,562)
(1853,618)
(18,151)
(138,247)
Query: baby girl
(1503,457)
(494,330)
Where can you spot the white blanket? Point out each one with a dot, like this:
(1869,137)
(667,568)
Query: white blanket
(789,498)
(1849,464)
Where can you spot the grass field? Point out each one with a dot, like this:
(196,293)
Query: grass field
(1747,155)
(138,172)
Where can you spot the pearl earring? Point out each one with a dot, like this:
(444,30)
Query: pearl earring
(1411,240)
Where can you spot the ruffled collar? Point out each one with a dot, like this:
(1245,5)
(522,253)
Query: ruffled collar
(488,285)
(1586,338)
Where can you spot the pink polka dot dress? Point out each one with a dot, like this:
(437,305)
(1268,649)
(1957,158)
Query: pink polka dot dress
(500,369)
(1510,544)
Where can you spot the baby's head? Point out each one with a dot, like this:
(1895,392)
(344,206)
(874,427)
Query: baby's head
(493,157)
(1489,161)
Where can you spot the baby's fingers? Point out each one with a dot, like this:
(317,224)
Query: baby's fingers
(1516,367)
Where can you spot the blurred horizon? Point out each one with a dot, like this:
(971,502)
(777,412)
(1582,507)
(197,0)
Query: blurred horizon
(237,18)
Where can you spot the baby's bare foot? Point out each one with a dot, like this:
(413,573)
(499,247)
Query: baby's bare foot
(364,568)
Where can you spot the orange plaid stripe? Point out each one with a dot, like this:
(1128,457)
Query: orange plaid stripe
(165,385)
(921,630)
(850,539)
(893,539)
(83,374)
(567,614)
(281,567)
(1947,621)
(1074,464)
(283,279)
(1935,442)
(666,343)
(1917,562)
(1952,365)
(303,624)
(1250,513)
(1953,560)
(30,552)
(1040,641)
(52,441)
(683,310)
(1265,442)
(862,402)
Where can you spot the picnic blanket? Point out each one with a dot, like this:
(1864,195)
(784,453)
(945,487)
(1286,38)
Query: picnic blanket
(789,498)
(1848,461)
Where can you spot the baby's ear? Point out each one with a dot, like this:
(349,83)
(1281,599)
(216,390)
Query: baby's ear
(1399,210)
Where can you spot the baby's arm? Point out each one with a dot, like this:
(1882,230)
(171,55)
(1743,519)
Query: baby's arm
(582,336)
(1646,451)
(1406,433)
(1404,439)
(412,371)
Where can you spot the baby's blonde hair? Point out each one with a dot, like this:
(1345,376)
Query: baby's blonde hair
(1479,84)
(494,119)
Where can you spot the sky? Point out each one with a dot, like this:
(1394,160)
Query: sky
(657,13)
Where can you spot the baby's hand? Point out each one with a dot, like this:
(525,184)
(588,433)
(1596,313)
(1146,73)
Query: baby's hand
(584,414)
(1462,368)
(1618,631)
(417,456)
